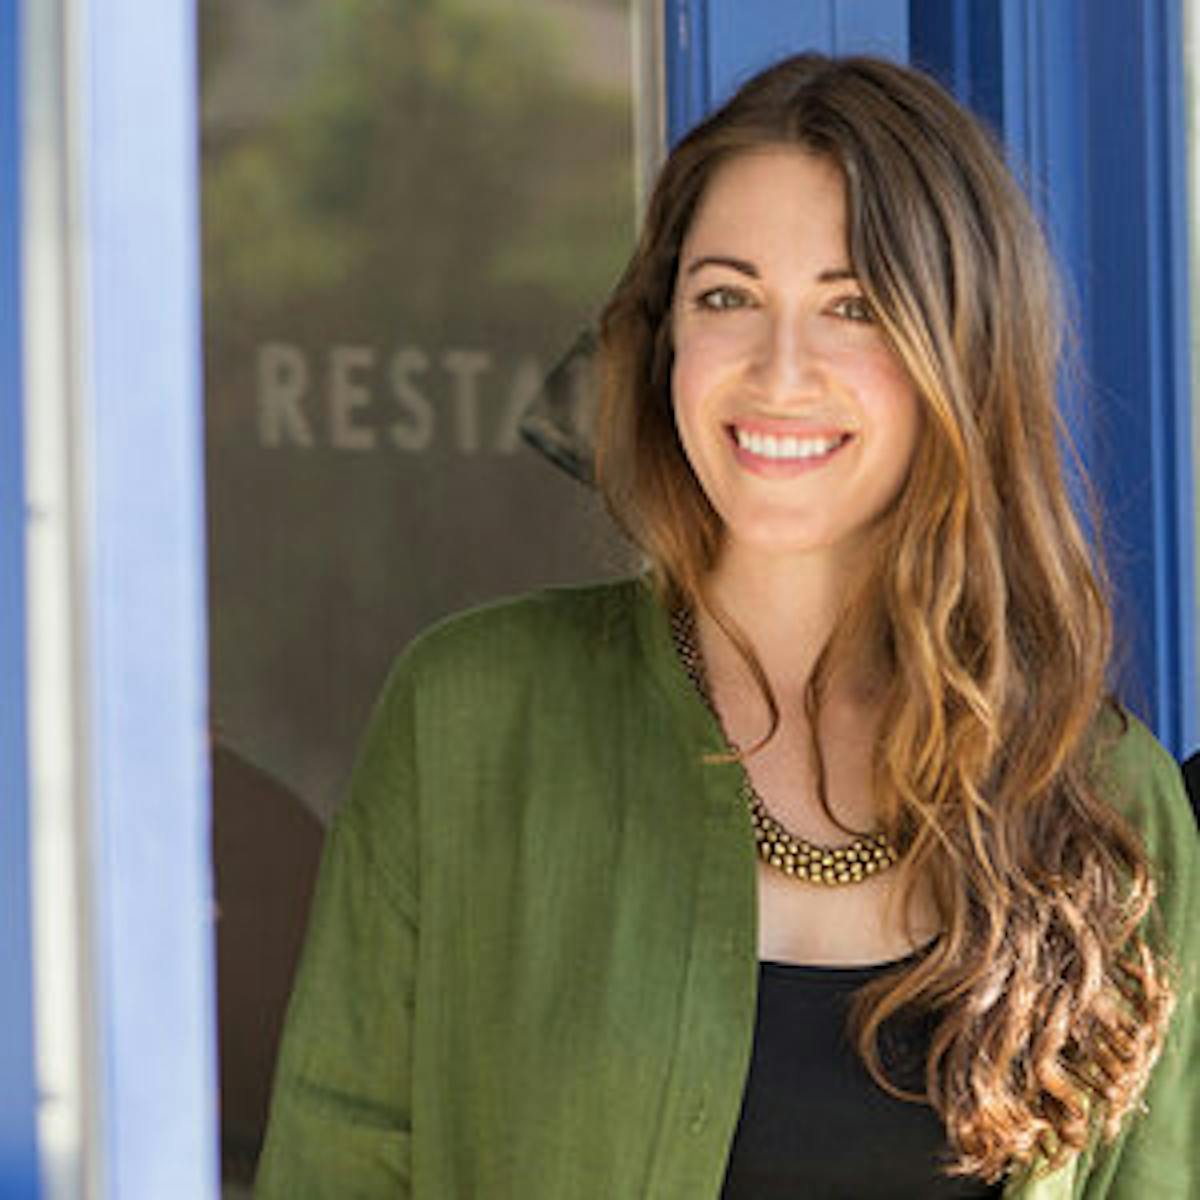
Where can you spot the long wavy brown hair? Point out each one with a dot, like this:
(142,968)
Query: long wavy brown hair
(1049,991)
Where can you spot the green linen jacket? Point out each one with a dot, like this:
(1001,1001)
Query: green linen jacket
(531,966)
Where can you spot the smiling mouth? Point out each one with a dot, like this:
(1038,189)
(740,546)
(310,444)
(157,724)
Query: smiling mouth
(787,447)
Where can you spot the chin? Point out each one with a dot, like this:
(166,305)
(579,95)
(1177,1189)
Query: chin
(774,543)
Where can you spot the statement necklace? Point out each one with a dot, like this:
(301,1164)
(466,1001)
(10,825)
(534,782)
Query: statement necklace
(777,845)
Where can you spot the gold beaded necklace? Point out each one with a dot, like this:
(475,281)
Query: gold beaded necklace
(788,852)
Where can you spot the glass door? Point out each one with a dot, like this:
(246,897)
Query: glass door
(410,213)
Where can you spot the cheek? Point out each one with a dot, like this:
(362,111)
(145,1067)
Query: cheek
(684,408)
(905,405)
(690,414)
(688,376)
(700,374)
(887,391)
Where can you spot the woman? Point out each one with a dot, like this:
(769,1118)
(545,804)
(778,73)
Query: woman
(545,959)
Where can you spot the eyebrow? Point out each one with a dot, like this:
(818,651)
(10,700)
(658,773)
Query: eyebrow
(830,275)
(723,260)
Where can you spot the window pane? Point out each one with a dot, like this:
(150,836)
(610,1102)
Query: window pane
(410,212)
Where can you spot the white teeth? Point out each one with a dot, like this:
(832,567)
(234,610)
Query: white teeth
(767,445)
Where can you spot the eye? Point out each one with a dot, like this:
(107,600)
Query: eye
(722,299)
(854,308)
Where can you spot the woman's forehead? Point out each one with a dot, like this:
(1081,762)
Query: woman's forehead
(762,197)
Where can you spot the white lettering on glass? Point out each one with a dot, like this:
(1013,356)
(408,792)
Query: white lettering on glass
(457,400)
(282,382)
(346,394)
(465,367)
(415,431)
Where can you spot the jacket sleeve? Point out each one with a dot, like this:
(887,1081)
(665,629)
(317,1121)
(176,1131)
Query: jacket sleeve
(340,1121)
(1157,1154)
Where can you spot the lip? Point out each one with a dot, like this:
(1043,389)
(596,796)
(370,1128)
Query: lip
(786,427)
(771,467)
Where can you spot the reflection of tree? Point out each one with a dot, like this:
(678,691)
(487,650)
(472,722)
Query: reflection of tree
(439,153)
(429,174)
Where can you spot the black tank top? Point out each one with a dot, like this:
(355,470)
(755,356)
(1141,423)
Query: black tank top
(814,1125)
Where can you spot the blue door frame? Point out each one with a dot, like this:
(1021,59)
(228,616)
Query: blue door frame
(18,1140)
(153,902)
(127,149)
(1088,97)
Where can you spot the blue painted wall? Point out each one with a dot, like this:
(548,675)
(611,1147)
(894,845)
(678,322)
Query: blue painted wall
(1139,340)
(18,1144)
(18,1135)
(1088,95)
(714,45)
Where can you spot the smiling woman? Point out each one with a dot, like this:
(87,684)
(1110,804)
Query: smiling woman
(817,860)
(795,412)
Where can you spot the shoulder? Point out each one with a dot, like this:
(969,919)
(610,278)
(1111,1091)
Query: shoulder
(1143,781)
(462,698)
(530,631)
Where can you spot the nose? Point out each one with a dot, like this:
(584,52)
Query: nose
(789,362)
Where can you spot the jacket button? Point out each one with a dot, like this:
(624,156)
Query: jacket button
(699,1120)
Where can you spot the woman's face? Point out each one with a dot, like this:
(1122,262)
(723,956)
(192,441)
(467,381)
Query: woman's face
(793,409)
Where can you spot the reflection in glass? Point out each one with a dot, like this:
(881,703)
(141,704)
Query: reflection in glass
(410,211)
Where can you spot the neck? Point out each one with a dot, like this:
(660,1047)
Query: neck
(786,607)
